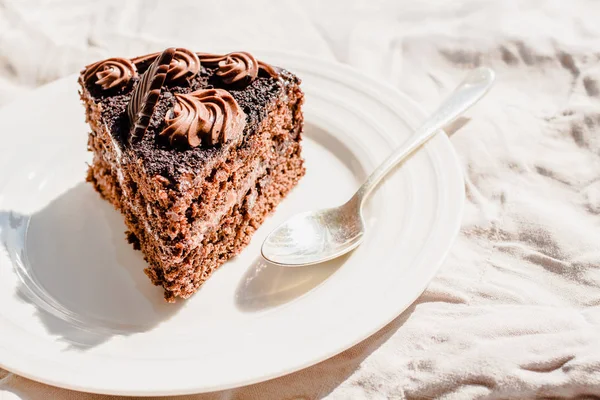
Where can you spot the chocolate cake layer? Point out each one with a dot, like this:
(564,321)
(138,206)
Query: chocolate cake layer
(189,210)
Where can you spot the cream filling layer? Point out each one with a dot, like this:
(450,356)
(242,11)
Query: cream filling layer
(234,197)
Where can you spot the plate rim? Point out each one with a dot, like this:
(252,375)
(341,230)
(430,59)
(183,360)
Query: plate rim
(369,80)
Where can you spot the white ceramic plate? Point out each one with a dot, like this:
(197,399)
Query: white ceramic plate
(77,311)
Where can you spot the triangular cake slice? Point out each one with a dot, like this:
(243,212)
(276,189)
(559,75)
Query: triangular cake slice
(195,150)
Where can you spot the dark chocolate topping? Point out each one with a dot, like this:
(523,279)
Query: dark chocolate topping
(110,73)
(204,117)
(158,156)
(146,94)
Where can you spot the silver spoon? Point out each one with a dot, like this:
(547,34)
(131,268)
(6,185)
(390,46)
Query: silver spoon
(317,236)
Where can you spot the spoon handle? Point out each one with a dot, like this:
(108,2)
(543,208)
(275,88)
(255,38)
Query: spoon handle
(473,88)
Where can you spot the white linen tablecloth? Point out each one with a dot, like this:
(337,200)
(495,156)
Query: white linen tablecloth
(513,312)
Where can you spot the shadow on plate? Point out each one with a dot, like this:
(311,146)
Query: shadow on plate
(85,280)
(266,285)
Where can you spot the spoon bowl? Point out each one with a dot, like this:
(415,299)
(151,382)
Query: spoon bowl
(314,237)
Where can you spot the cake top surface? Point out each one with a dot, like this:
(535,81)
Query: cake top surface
(176,111)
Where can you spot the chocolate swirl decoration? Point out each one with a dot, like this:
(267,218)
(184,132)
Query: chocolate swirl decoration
(238,67)
(110,73)
(146,94)
(185,64)
(235,67)
(204,117)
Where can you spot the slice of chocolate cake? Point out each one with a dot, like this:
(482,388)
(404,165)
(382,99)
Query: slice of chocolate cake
(195,150)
